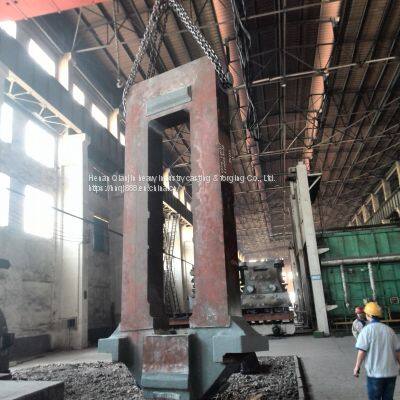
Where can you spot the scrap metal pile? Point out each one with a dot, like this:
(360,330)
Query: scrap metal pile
(108,381)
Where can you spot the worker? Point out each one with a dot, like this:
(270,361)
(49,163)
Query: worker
(359,322)
(379,347)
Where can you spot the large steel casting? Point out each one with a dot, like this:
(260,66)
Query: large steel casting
(190,363)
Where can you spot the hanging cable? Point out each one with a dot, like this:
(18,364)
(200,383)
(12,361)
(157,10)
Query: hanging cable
(243,43)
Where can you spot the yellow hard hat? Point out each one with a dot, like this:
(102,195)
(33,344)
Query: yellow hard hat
(372,308)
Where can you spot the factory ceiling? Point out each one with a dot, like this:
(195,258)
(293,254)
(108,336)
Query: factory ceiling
(314,80)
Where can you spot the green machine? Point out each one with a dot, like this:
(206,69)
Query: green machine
(359,264)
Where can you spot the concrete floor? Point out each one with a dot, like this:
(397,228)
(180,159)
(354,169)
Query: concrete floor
(328,364)
(64,357)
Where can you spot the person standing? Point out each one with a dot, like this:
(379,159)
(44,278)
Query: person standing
(359,322)
(379,347)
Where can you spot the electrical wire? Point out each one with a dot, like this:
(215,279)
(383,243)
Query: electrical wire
(243,43)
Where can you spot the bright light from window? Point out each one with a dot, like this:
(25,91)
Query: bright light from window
(292,297)
(10,27)
(4,198)
(41,58)
(78,95)
(114,123)
(99,116)
(122,139)
(63,71)
(38,213)
(39,144)
(6,122)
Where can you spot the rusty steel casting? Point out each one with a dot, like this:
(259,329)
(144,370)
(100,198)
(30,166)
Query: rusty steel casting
(190,363)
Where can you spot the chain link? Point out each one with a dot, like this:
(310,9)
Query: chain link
(158,9)
(202,42)
(155,44)
(116,39)
(153,38)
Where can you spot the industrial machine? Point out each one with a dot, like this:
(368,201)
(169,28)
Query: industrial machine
(359,264)
(265,298)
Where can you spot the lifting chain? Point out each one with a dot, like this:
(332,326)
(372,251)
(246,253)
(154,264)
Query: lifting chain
(155,44)
(116,39)
(153,38)
(223,76)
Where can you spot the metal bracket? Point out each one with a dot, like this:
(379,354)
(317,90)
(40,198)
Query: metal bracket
(169,100)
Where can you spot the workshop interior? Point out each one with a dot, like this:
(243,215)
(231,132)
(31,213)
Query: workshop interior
(199,199)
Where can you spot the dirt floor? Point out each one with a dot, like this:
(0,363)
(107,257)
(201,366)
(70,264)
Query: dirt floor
(108,381)
(278,381)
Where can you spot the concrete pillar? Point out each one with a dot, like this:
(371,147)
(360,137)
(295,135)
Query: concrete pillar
(63,73)
(375,204)
(299,262)
(386,188)
(74,283)
(166,173)
(308,233)
(3,77)
(181,195)
(365,213)
(299,300)
(398,172)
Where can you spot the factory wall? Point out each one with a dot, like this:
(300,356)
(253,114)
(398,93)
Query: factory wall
(58,291)
(104,265)
(64,290)
(27,290)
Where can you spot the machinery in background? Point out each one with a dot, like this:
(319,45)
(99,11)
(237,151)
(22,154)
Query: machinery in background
(359,264)
(336,270)
(265,298)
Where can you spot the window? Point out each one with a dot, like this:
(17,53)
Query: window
(99,116)
(369,208)
(100,235)
(393,182)
(38,213)
(63,71)
(122,139)
(10,27)
(380,196)
(4,199)
(41,58)
(6,122)
(78,95)
(39,144)
(114,123)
